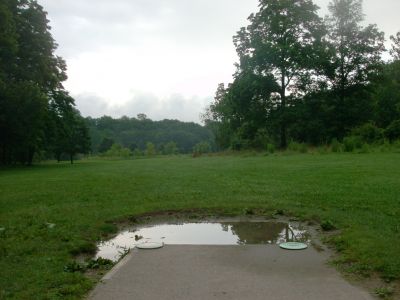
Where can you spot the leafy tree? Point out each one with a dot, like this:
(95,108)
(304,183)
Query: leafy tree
(356,59)
(392,132)
(283,39)
(202,148)
(170,148)
(22,111)
(395,51)
(150,149)
(32,98)
(118,150)
(386,93)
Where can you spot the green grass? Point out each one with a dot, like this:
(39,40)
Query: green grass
(357,193)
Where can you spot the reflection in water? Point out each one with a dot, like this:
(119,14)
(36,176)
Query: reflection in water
(232,233)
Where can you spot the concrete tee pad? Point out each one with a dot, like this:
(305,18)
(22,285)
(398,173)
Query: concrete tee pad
(225,272)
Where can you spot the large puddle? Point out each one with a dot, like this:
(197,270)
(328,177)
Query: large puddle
(222,233)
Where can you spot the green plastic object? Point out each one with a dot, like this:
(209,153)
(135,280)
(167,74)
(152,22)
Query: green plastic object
(293,246)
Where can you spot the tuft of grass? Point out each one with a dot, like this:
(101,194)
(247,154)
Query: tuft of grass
(328,225)
(384,292)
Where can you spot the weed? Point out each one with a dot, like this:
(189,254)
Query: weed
(328,225)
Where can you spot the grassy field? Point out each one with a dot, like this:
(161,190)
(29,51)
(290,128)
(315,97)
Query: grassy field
(358,193)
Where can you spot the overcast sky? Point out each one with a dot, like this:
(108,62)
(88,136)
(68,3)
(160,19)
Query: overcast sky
(163,58)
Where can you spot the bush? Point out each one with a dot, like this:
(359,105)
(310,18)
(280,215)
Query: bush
(261,139)
(297,147)
(201,148)
(368,133)
(352,143)
(137,152)
(336,146)
(150,149)
(170,149)
(117,150)
(392,132)
(271,148)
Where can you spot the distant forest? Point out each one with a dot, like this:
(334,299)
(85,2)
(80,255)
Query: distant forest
(138,134)
(305,79)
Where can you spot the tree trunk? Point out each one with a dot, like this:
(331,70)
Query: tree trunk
(282,114)
(71,156)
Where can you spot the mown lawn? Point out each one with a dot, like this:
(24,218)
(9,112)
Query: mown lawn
(359,193)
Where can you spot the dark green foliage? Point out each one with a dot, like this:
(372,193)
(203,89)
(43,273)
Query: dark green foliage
(99,263)
(73,267)
(167,136)
(336,146)
(395,51)
(352,143)
(392,132)
(106,144)
(283,41)
(307,80)
(36,113)
(271,148)
(368,133)
(328,225)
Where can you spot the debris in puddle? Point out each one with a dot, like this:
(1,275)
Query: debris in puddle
(222,233)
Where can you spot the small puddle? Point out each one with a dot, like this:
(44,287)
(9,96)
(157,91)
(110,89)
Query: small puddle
(222,233)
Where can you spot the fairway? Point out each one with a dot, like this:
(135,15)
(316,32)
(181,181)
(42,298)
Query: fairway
(358,193)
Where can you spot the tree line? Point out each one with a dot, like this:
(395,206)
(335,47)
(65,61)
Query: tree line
(308,79)
(37,115)
(127,136)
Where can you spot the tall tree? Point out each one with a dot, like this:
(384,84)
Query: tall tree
(283,39)
(395,51)
(31,77)
(355,61)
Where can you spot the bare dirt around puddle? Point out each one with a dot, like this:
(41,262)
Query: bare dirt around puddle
(222,259)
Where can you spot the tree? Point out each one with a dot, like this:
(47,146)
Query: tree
(76,135)
(150,149)
(355,61)
(395,51)
(170,148)
(283,39)
(31,77)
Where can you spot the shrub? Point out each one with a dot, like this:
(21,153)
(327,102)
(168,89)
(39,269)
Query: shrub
(137,152)
(117,150)
(297,147)
(201,148)
(328,225)
(336,146)
(392,132)
(150,149)
(170,148)
(368,133)
(271,148)
(261,139)
(352,143)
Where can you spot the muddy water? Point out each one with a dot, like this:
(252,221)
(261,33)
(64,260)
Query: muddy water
(223,233)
